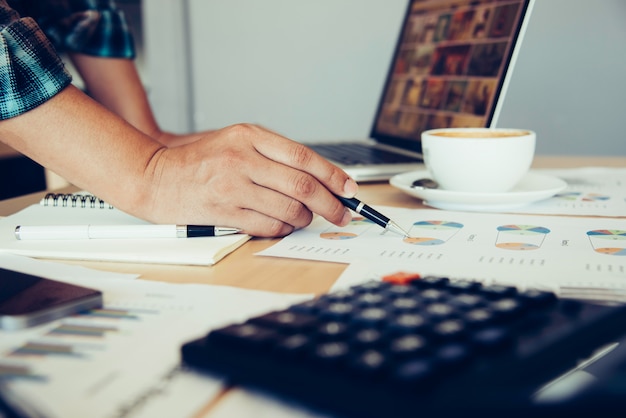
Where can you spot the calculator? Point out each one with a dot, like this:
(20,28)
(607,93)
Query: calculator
(407,343)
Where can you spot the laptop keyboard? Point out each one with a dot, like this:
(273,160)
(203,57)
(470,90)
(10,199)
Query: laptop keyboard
(410,344)
(360,154)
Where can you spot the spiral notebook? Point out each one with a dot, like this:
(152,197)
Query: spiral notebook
(83,208)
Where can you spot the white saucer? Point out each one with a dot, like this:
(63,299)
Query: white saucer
(533,187)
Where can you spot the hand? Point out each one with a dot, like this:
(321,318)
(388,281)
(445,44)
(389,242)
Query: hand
(247,177)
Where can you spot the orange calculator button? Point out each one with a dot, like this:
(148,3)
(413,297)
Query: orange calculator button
(401,277)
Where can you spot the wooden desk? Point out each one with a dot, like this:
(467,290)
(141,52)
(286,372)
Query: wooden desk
(243,269)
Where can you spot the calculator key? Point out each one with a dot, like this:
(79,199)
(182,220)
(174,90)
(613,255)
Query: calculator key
(506,309)
(330,353)
(498,291)
(337,311)
(370,317)
(369,363)
(453,355)
(367,337)
(404,304)
(370,299)
(294,345)
(286,320)
(456,286)
(467,301)
(371,286)
(339,296)
(433,295)
(450,329)
(479,317)
(538,298)
(492,338)
(430,281)
(245,335)
(332,330)
(408,345)
(438,311)
(309,307)
(415,373)
(399,291)
(408,323)
(401,278)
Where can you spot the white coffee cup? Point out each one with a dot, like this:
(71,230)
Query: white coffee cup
(478,160)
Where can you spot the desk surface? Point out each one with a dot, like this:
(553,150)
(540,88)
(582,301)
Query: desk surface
(243,269)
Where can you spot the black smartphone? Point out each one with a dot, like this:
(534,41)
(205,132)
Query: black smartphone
(27,300)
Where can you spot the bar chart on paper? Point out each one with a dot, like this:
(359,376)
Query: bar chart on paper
(80,338)
(101,361)
(120,359)
(96,345)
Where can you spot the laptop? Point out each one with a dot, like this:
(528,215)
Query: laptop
(450,69)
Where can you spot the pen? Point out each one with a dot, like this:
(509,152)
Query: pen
(371,214)
(62,232)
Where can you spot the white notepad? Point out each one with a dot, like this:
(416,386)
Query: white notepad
(81,209)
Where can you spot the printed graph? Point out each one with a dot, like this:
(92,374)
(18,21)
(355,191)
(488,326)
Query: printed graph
(583,197)
(12,371)
(435,232)
(595,197)
(521,237)
(608,241)
(77,330)
(356,227)
(76,338)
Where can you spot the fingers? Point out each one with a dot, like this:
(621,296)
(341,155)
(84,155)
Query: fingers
(302,158)
(263,211)
(304,176)
(257,224)
(292,191)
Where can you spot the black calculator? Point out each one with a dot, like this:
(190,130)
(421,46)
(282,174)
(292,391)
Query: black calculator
(410,346)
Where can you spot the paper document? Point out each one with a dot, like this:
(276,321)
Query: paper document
(516,248)
(115,361)
(591,191)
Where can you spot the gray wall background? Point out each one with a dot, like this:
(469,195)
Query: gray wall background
(314,70)
(569,81)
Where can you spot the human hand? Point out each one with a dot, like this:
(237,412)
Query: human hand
(247,177)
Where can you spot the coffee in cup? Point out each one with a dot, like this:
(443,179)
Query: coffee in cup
(478,160)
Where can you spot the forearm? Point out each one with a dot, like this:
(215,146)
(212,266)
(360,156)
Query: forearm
(87,145)
(115,83)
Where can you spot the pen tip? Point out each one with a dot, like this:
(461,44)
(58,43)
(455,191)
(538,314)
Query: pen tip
(396,228)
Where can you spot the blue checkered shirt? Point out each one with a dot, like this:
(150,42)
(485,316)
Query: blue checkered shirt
(31,33)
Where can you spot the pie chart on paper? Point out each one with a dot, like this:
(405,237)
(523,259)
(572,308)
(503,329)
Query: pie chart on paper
(608,241)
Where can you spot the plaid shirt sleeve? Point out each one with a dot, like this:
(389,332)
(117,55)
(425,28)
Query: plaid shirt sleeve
(89,27)
(30,70)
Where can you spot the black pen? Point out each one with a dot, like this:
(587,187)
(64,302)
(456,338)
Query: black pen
(371,214)
(61,232)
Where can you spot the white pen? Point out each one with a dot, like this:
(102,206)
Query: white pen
(64,232)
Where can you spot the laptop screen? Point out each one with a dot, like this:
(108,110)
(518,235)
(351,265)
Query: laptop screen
(448,67)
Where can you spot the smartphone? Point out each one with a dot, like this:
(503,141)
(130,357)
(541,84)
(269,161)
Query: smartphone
(27,300)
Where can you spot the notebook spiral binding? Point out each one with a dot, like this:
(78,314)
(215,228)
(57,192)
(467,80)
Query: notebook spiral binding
(75,200)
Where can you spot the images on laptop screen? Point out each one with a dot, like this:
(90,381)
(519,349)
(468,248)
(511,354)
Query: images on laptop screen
(448,68)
